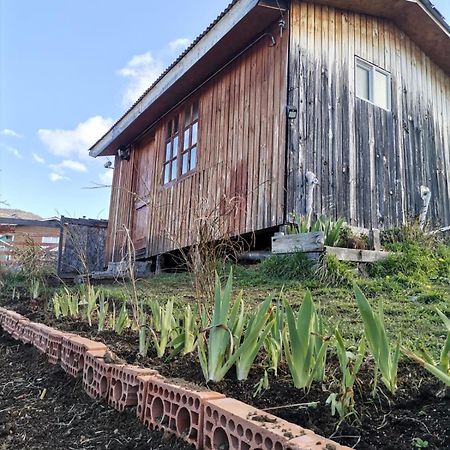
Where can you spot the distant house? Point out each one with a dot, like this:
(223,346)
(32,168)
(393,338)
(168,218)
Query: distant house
(20,230)
(72,246)
(356,92)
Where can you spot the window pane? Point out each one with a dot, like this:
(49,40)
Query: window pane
(362,82)
(168,150)
(166,173)
(184,167)
(194,133)
(186,139)
(194,111)
(175,125)
(174,169)
(193,157)
(381,86)
(187,116)
(169,129)
(175,146)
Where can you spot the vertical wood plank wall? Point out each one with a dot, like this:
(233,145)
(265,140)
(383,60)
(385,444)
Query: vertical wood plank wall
(241,155)
(370,162)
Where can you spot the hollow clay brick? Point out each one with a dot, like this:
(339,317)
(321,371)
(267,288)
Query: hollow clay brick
(314,442)
(142,393)
(97,374)
(176,409)
(19,329)
(54,345)
(234,425)
(73,352)
(41,334)
(123,390)
(3,312)
(28,333)
(10,320)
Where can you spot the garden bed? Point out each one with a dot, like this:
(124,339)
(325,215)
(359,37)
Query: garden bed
(386,421)
(43,408)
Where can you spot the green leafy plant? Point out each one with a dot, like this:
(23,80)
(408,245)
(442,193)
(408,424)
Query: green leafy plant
(295,266)
(89,298)
(273,343)
(440,369)
(186,340)
(228,341)
(65,304)
(162,325)
(255,333)
(385,355)
(419,443)
(304,345)
(122,321)
(343,402)
(103,307)
(330,228)
(334,273)
(262,384)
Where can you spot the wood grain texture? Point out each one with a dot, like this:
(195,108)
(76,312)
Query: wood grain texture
(370,162)
(300,242)
(240,160)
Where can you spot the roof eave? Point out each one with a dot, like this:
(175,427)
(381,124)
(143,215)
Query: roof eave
(223,26)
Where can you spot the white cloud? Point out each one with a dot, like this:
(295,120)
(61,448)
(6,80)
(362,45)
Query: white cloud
(140,71)
(57,177)
(75,142)
(11,150)
(68,164)
(10,133)
(38,158)
(179,44)
(106,177)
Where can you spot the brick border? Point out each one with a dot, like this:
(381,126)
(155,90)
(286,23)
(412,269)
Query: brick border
(204,419)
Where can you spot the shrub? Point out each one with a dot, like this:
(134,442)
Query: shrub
(296,266)
(410,259)
(334,273)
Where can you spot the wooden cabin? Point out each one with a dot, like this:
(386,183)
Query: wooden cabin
(23,231)
(355,92)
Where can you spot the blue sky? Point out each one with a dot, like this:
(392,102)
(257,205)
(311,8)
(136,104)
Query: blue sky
(68,69)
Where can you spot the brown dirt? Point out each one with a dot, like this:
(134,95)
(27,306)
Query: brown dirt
(384,422)
(65,417)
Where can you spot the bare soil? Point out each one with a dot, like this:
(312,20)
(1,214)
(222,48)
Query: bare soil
(41,407)
(419,409)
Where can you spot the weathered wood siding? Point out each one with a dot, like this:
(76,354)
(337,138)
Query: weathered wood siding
(370,162)
(240,158)
(83,246)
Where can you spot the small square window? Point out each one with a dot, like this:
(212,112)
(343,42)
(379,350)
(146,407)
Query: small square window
(372,84)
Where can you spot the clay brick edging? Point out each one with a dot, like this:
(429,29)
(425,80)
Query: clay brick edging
(73,353)
(176,409)
(124,385)
(204,419)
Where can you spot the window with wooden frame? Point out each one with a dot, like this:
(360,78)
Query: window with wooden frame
(372,84)
(180,153)
(189,149)
(171,151)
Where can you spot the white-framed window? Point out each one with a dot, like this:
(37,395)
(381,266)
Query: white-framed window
(50,240)
(372,84)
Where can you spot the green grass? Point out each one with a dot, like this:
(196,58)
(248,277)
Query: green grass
(409,304)
(412,283)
